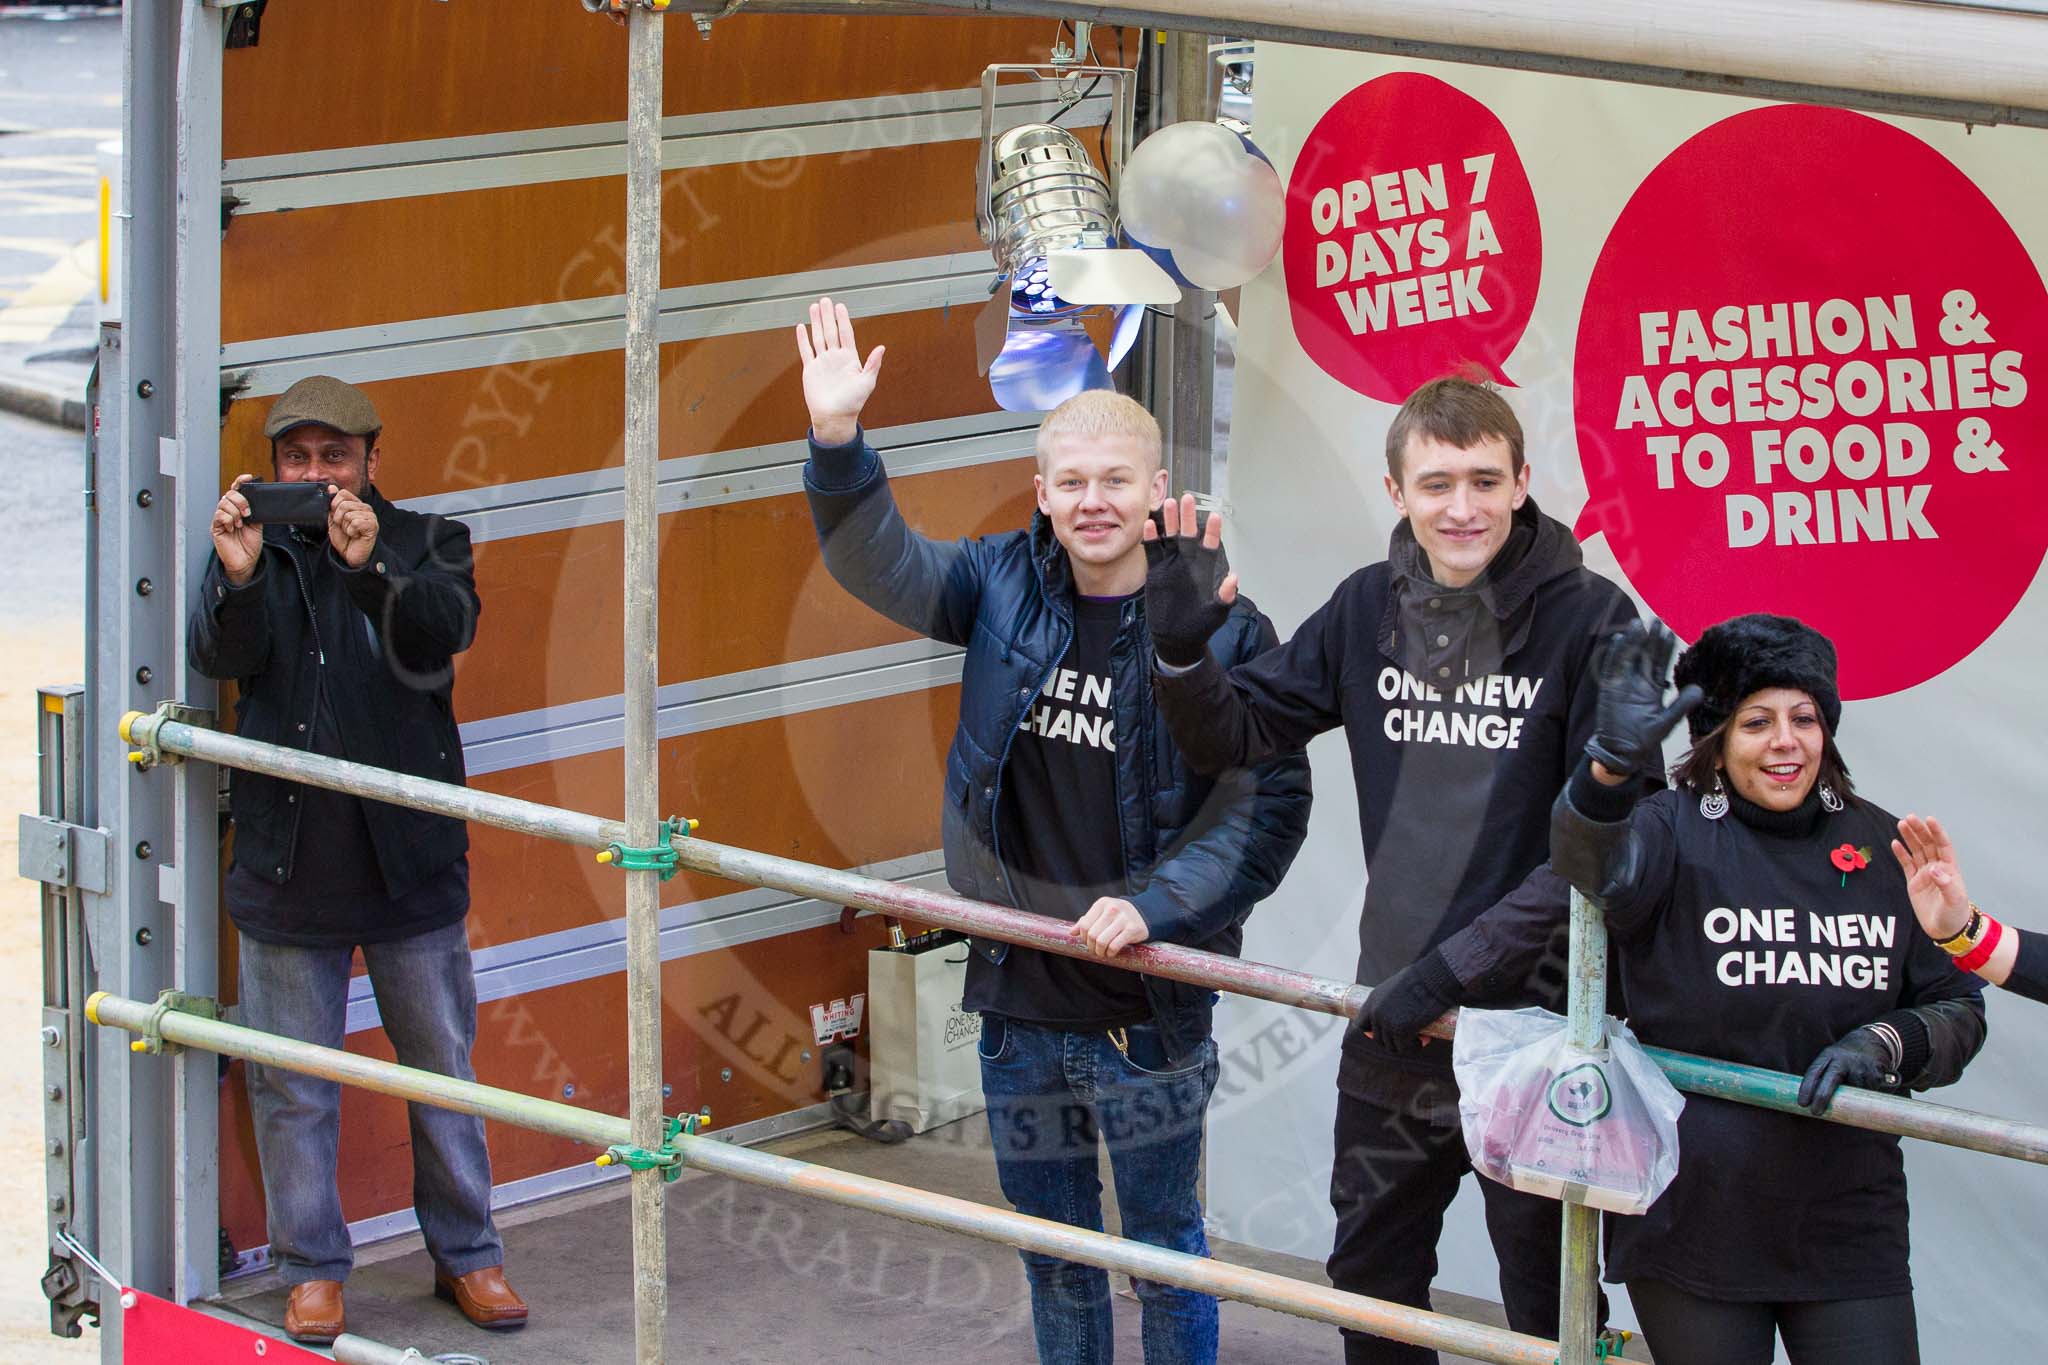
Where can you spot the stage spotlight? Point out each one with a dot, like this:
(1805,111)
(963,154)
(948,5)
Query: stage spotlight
(1045,196)
(1048,213)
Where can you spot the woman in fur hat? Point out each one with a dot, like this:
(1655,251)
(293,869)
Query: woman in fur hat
(1757,921)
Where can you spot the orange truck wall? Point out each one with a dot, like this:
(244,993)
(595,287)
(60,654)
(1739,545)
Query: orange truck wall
(848,784)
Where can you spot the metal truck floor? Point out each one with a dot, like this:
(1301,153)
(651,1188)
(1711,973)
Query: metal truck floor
(764,1277)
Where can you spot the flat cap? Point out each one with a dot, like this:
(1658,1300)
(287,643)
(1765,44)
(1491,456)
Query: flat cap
(326,400)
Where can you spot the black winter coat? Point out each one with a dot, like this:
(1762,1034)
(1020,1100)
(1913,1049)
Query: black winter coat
(1198,852)
(386,635)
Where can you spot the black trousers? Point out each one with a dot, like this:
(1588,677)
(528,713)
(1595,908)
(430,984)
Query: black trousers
(1394,1175)
(1685,1329)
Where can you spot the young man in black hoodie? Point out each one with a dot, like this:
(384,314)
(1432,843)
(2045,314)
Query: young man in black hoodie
(1458,670)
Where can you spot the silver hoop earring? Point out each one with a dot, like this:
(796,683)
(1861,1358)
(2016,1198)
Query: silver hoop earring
(1714,804)
(1828,797)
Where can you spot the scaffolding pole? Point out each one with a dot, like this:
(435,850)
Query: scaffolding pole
(1578,1317)
(1971,61)
(1262,1289)
(157,737)
(1192,78)
(643,654)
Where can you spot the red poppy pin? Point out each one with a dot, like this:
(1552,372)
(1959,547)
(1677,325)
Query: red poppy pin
(1849,858)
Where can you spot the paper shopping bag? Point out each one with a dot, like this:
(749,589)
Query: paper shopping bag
(922,1063)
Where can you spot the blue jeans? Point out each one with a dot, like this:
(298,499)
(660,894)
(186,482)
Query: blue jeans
(1051,1095)
(426,993)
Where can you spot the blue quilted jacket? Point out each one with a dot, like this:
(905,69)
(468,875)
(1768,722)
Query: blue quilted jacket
(1198,852)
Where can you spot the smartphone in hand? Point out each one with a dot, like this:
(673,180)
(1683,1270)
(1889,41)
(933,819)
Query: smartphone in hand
(287,504)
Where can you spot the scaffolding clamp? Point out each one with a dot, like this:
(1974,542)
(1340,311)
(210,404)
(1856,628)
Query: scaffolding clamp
(1609,1345)
(617,8)
(664,1158)
(660,857)
(146,755)
(152,1040)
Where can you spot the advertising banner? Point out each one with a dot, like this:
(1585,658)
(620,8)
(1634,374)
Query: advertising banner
(1768,357)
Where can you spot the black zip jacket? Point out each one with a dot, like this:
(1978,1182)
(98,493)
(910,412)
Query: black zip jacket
(1744,939)
(1198,853)
(1455,767)
(386,636)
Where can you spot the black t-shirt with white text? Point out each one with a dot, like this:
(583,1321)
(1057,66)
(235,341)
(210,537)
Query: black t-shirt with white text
(1058,834)
(1454,772)
(1761,938)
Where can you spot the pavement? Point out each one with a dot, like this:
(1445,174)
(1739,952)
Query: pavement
(60,97)
(42,642)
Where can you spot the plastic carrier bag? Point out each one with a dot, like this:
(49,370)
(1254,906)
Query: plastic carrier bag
(1593,1127)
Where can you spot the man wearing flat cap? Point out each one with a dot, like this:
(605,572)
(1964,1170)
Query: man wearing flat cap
(341,635)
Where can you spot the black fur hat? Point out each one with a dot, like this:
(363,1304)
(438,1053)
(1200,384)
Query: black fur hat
(1746,654)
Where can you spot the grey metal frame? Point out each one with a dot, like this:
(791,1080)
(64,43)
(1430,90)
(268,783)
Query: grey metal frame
(152,476)
(190,885)
(131,655)
(68,1177)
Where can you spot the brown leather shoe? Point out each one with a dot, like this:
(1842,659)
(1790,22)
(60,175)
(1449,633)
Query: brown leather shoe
(483,1296)
(314,1314)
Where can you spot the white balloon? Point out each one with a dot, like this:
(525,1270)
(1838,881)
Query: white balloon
(1198,191)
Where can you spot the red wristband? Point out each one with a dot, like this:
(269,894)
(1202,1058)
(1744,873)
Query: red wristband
(1981,954)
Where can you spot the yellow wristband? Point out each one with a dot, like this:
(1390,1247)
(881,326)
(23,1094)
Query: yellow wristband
(1966,938)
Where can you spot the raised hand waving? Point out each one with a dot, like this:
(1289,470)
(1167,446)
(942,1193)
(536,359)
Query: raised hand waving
(1188,583)
(837,384)
(1634,667)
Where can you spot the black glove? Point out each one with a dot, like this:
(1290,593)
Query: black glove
(1409,1001)
(1632,720)
(1863,1057)
(1181,607)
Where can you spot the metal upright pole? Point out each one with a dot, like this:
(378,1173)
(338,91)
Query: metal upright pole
(1192,81)
(133,640)
(188,880)
(643,650)
(1578,1320)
